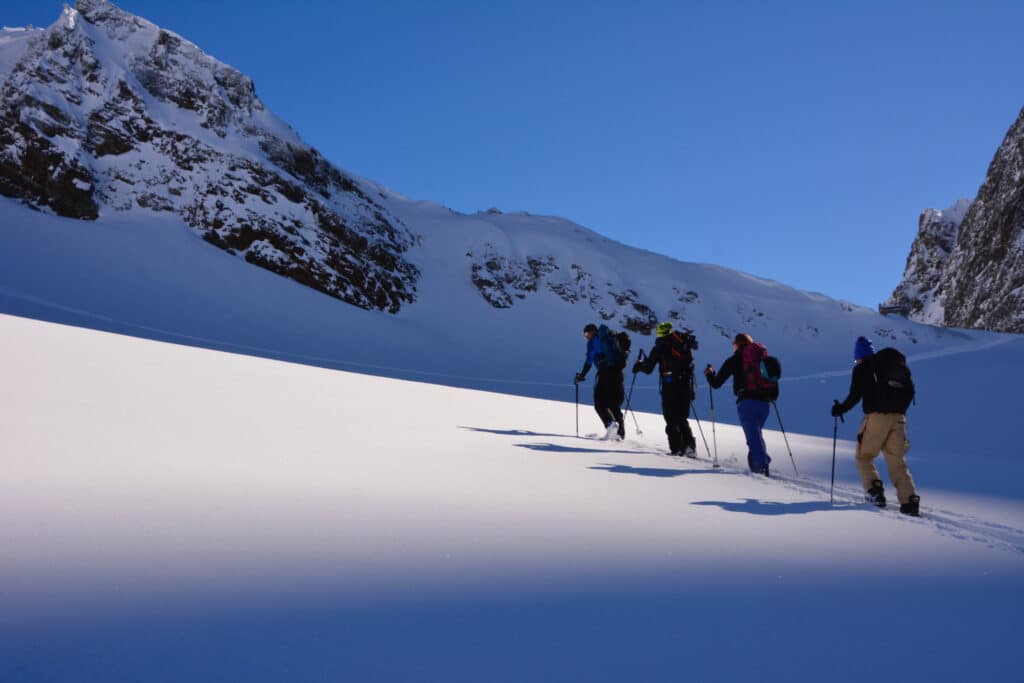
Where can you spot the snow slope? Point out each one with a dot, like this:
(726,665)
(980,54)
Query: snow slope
(104,275)
(174,513)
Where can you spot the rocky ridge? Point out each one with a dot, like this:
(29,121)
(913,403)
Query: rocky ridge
(105,111)
(966,265)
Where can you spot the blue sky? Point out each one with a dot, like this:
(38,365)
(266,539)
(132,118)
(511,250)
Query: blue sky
(793,140)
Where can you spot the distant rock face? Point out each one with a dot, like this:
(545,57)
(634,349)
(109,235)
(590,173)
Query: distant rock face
(107,112)
(922,287)
(966,266)
(986,269)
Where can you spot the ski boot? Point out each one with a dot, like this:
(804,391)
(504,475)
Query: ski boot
(912,507)
(876,494)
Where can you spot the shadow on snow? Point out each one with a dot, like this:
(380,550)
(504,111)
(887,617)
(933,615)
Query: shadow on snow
(754,506)
(659,472)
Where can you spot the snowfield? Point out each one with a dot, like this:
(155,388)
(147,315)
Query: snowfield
(210,472)
(176,513)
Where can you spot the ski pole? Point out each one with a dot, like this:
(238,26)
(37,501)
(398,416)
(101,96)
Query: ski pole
(835,434)
(629,400)
(693,409)
(714,437)
(577,384)
(778,415)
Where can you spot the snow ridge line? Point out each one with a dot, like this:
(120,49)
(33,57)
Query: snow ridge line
(330,361)
(305,359)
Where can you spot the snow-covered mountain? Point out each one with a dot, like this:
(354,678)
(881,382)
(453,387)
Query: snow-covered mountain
(176,513)
(104,112)
(106,116)
(966,266)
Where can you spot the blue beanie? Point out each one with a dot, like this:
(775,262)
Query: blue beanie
(863,348)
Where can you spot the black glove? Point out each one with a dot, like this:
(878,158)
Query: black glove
(580,377)
(837,410)
(636,367)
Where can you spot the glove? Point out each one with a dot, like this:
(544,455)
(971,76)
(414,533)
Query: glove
(636,367)
(580,377)
(837,410)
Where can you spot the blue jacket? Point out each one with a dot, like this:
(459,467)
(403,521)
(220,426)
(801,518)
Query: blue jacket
(593,354)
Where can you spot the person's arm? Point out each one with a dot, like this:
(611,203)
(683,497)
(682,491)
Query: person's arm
(718,379)
(646,364)
(856,393)
(590,359)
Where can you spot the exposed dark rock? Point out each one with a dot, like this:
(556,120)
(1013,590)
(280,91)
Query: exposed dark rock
(970,272)
(287,209)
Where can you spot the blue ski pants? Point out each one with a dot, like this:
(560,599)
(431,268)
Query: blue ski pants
(753,414)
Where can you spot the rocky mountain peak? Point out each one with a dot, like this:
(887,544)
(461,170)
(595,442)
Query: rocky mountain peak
(966,266)
(921,289)
(107,112)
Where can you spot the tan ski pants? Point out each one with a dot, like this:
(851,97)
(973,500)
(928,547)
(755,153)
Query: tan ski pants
(885,432)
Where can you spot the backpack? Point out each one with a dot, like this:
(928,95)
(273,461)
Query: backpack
(614,348)
(894,387)
(679,359)
(761,372)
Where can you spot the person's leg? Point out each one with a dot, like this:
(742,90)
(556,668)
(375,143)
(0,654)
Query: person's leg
(669,410)
(686,437)
(872,434)
(601,401)
(752,418)
(618,398)
(764,411)
(894,449)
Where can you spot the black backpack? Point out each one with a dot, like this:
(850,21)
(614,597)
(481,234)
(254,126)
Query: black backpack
(622,345)
(894,387)
(771,369)
(679,359)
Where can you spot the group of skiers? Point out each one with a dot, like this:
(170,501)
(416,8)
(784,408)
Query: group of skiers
(881,382)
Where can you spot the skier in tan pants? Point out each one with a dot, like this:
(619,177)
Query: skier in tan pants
(883,381)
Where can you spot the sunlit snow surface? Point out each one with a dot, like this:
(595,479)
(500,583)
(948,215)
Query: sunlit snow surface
(175,513)
(235,505)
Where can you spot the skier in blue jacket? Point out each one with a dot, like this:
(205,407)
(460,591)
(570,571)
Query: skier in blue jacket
(609,389)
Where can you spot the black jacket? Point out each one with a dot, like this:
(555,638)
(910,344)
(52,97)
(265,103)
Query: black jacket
(660,355)
(863,387)
(734,366)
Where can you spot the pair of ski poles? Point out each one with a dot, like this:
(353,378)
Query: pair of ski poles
(714,435)
(711,400)
(635,422)
(628,401)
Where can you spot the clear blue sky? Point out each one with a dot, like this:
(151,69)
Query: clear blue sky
(793,140)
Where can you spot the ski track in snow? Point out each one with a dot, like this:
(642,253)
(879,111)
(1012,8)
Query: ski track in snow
(955,525)
(945,522)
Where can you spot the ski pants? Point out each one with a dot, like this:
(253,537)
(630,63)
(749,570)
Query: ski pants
(609,393)
(753,414)
(675,407)
(885,432)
